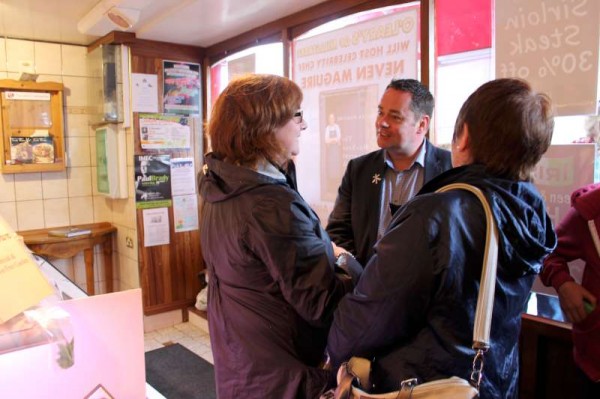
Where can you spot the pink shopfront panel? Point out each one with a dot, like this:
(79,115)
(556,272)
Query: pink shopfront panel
(108,353)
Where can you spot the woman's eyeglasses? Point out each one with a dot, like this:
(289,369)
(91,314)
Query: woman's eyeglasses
(298,117)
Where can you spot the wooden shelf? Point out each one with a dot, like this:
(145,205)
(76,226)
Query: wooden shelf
(28,109)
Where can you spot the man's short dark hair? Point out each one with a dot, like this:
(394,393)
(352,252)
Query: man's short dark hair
(422,99)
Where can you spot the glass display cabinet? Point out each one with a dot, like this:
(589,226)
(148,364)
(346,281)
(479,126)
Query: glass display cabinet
(32,127)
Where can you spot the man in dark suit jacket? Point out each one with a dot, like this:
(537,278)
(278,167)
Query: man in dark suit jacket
(405,156)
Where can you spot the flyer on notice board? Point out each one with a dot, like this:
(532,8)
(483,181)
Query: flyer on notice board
(185,212)
(183,177)
(152,181)
(144,92)
(161,131)
(156,227)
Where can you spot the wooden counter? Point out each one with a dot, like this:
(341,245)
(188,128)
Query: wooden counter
(548,370)
(66,247)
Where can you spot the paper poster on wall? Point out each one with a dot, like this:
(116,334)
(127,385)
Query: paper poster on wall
(144,92)
(342,74)
(156,227)
(343,121)
(553,44)
(152,181)
(181,88)
(159,131)
(563,169)
(185,212)
(183,177)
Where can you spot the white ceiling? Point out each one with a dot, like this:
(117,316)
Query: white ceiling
(194,22)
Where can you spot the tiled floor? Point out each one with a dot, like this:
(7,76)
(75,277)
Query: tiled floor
(187,334)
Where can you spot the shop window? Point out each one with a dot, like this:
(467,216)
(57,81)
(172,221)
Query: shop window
(343,68)
(267,58)
(465,61)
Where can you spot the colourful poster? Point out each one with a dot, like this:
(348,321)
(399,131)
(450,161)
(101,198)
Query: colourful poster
(181,88)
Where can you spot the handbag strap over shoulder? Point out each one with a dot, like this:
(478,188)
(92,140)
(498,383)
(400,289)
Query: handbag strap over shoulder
(485,300)
(487,287)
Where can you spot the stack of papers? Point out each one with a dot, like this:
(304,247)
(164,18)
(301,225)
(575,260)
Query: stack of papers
(69,232)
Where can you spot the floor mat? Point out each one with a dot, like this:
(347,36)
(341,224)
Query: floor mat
(178,373)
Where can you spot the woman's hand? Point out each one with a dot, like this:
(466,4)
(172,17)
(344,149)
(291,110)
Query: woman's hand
(337,251)
(572,296)
(345,261)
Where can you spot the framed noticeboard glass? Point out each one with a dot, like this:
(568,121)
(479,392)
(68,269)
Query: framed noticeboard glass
(32,127)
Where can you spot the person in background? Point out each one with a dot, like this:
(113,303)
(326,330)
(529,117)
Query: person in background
(376,184)
(333,134)
(592,129)
(272,286)
(413,308)
(578,234)
(143,175)
(333,151)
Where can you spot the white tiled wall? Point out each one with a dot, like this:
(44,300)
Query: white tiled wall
(41,200)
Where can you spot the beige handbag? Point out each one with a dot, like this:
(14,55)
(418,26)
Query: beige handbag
(358,369)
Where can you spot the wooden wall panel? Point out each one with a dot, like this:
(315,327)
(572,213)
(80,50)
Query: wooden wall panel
(168,273)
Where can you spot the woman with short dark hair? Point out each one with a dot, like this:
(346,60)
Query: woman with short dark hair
(413,309)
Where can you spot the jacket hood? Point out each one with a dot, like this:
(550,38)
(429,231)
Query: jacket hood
(525,230)
(586,201)
(220,180)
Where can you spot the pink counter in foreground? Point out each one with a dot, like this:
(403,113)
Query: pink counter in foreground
(109,354)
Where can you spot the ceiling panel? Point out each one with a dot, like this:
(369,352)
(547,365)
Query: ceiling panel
(193,22)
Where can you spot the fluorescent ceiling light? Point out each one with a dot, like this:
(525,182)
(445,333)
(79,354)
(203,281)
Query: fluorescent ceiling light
(123,18)
(107,16)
